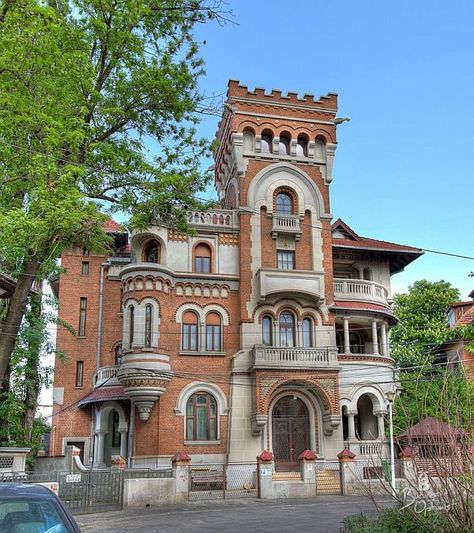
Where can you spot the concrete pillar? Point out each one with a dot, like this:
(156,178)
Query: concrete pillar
(347,344)
(408,467)
(123,442)
(180,463)
(348,474)
(265,475)
(351,424)
(383,332)
(375,340)
(380,423)
(99,449)
(307,460)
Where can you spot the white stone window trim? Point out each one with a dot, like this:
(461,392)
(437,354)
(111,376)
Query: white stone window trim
(201,386)
(202,442)
(375,393)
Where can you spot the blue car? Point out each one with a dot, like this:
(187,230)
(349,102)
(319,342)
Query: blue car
(26,508)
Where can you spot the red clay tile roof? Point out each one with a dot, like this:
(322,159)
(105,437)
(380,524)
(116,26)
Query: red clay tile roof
(432,427)
(365,242)
(467,318)
(112,226)
(102,394)
(363,306)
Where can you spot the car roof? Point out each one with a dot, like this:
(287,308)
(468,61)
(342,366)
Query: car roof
(23,490)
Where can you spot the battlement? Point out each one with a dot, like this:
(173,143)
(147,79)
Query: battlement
(236,90)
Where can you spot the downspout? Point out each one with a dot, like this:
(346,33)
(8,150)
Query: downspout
(99,325)
(229,419)
(131,434)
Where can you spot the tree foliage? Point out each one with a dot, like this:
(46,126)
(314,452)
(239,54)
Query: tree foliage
(88,89)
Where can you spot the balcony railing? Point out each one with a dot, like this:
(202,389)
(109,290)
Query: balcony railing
(106,377)
(284,357)
(218,218)
(358,289)
(288,224)
(373,448)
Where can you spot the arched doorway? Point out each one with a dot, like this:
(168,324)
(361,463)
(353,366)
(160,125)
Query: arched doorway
(290,432)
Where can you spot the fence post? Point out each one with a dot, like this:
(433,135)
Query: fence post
(307,459)
(346,465)
(180,463)
(265,475)
(408,468)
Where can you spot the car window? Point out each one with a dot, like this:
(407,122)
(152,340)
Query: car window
(31,516)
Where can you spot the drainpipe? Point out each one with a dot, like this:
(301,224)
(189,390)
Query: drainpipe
(229,419)
(131,434)
(99,325)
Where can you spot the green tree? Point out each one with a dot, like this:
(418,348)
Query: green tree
(86,87)
(428,387)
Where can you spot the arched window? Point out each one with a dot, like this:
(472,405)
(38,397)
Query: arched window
(201,417)
(131,324)
(118,355)
(148,325)
(302,146)
(213,333)
(202,258)
(284,144)
(307,332)
(355,342)
(190,332)
(249,140)
(267,330)
(151,253)
(115,430)
(320,149)
(266,142)
(287,329)
(284,204)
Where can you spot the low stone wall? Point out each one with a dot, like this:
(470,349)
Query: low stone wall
(291,489)
(141,493)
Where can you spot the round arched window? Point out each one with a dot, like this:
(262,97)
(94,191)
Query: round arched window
(287,329)
(284,204)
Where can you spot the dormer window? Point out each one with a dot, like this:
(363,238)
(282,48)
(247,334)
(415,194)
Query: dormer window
(284,204)
(151,253)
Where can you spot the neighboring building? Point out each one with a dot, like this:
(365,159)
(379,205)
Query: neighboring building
(455,351)
(267,328)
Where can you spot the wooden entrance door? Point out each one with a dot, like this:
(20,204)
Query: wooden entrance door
(290,432)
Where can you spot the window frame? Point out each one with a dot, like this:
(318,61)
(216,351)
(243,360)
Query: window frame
(284,328)
(202,264)
(152,244)
(307,336)
(192,431)
(190,332)
(85,268)
(283,262)
(81,330)
(281,204)
(148,326)
(79,381)
(214,334)
(267,336)
(131,325)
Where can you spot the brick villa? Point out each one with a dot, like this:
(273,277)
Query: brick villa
(266,328)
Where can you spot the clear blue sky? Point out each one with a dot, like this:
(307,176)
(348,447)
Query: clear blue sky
(404,72)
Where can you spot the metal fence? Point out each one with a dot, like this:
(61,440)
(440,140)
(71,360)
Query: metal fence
(221,481)
(328,477)
(89,490)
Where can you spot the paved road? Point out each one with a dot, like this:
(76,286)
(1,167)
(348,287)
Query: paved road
(323,514)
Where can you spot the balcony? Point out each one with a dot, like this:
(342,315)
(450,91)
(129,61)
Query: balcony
(106,377)
(286,225)
(214,219)
(289,358)
(369,448)
(360,290)
(275,282)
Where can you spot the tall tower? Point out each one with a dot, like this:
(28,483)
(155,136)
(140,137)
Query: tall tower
(274,165)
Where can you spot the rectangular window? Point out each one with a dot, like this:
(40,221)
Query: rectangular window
(82,317)
(190,337)
(285,260)
(202,264)
(85,268)
(213,338)
(79,373)
(85,252)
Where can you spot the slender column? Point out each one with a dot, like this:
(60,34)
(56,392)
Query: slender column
(347,346)
(380,424)
(123,442)
(277,334)
(99,455)
(202,337)
(361,272)
(351,424)
(383,332)
(299,329)
(375,340)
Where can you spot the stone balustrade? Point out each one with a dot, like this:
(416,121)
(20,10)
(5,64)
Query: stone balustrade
(361,290)
(296,357)
(106,377)
(286,224)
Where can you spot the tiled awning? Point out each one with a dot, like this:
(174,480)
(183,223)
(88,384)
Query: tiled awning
(103,394)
